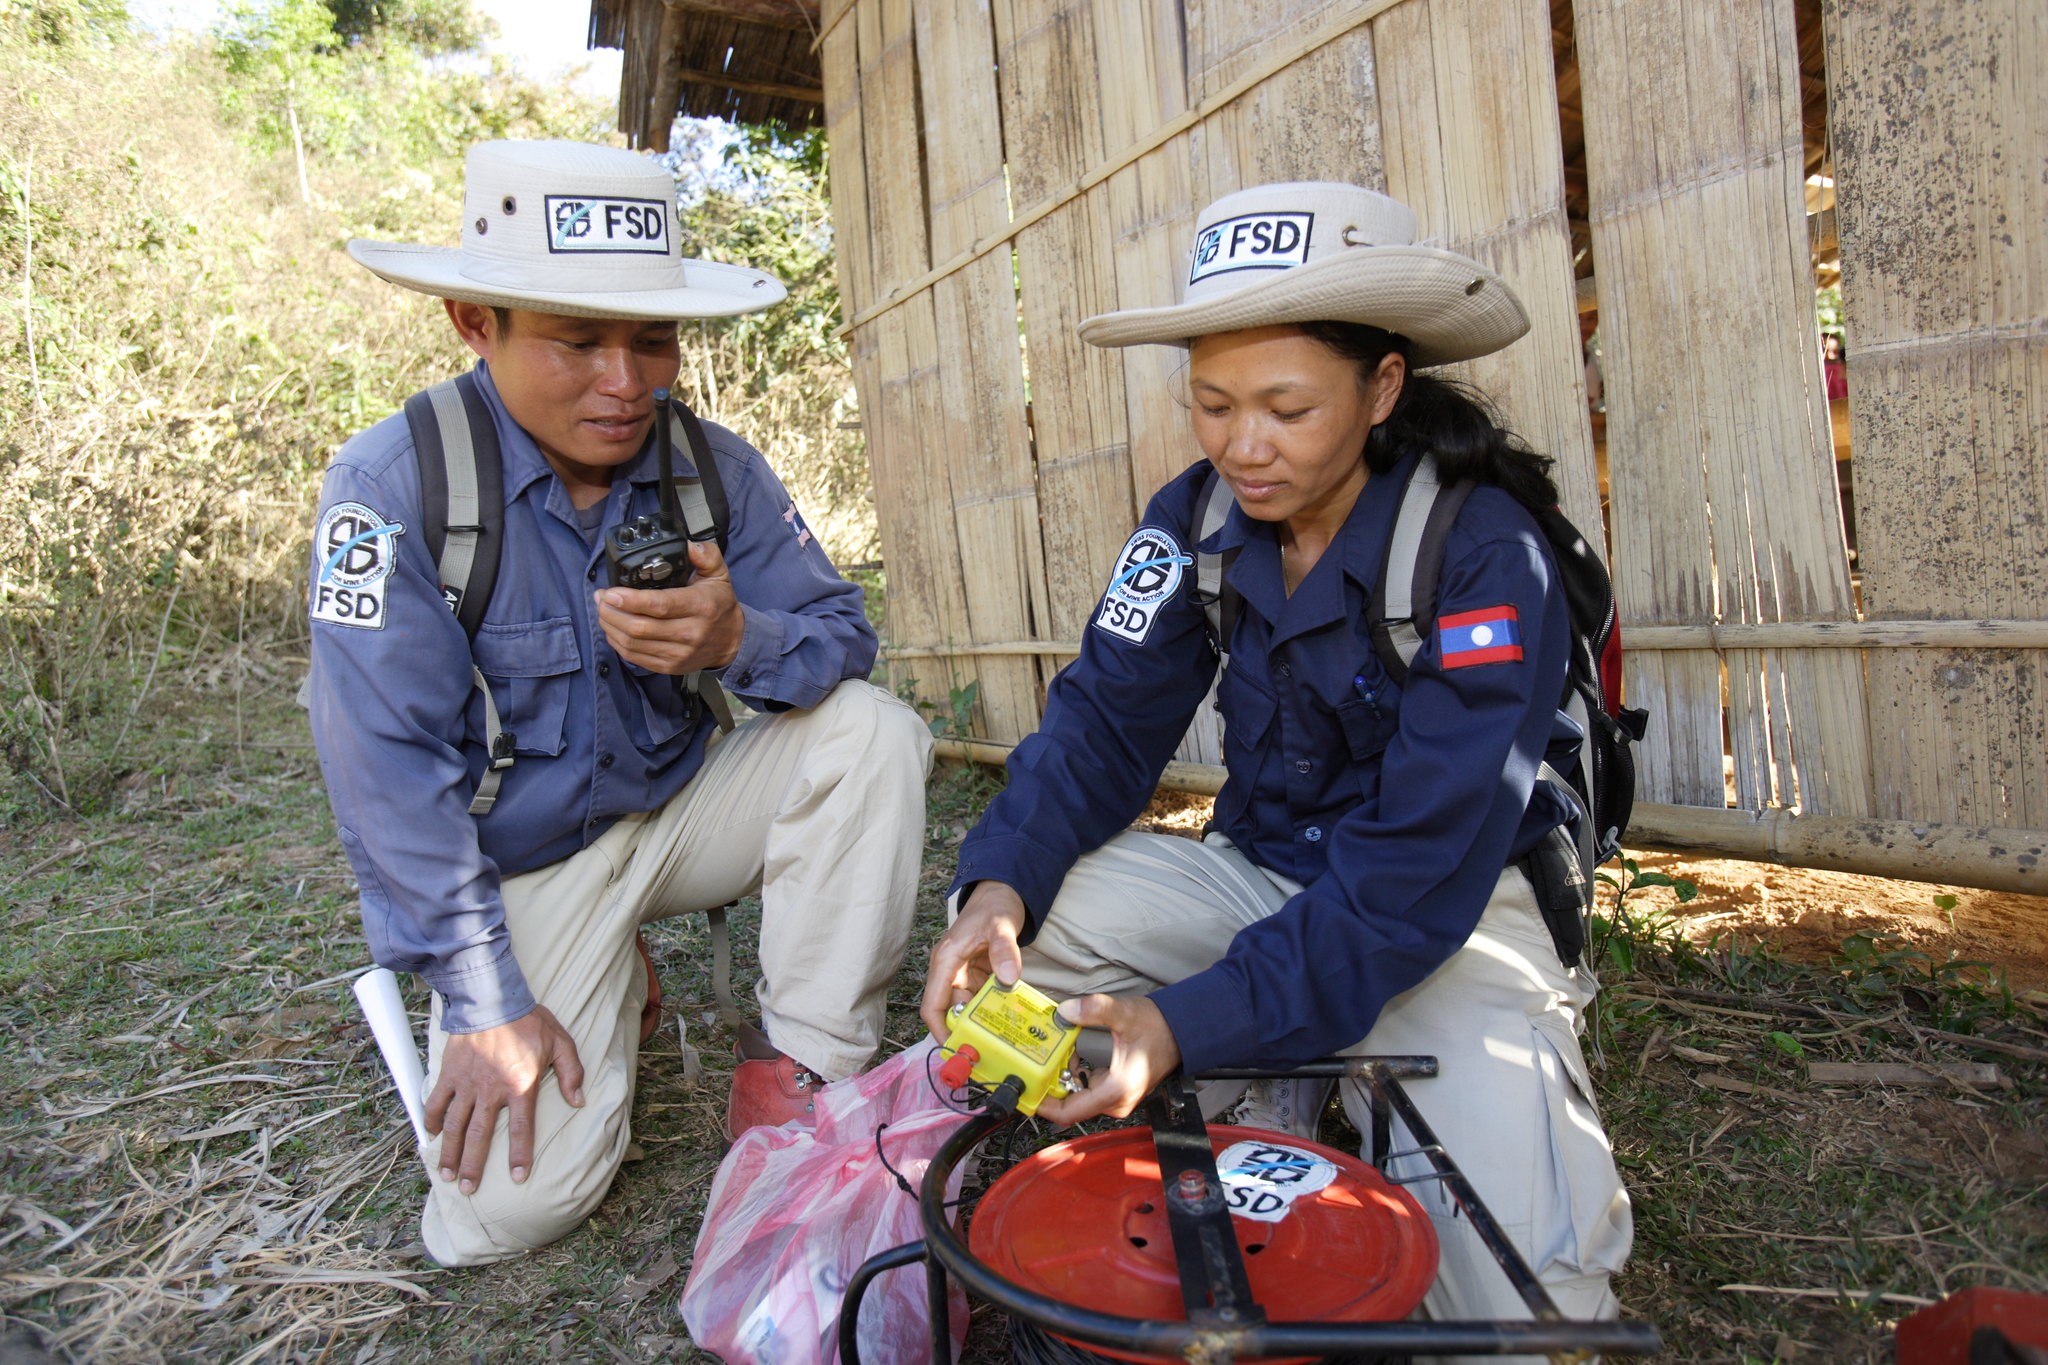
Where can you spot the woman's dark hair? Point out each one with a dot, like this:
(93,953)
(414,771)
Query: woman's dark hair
(1451,421)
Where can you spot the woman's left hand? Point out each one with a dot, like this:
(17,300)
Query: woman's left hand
(1145,1054)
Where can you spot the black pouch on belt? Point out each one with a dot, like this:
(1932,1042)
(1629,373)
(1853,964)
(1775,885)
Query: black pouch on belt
(1553,870)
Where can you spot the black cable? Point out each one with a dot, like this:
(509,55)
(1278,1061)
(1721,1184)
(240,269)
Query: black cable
(1031,1344)
(901,1183)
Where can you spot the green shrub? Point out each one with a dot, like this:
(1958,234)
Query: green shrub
(183,343)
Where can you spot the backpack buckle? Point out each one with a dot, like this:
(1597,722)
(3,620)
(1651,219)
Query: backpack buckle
(501,749)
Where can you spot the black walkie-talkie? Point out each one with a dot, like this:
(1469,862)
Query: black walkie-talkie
(653,552)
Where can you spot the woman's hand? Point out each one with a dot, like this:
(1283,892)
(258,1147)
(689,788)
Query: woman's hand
(1145,1054)
(981,942)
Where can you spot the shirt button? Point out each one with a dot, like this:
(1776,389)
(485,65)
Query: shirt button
(1285,670)
(1302,765)
(592,575)
(605,761)
(1314,834)
(746,680)
(604,668)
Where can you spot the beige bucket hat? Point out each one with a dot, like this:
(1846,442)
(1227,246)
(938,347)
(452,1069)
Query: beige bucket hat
(1319,251)
(569,227)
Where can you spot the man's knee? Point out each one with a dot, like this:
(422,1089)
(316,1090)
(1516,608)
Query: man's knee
(503,1219)
(888,736)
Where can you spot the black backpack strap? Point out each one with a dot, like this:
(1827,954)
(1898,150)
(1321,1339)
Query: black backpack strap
(702,504)
(462,492)
(703,498)
(462,515)
(1405,598)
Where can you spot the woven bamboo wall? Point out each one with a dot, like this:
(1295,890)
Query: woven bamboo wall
(1004,168)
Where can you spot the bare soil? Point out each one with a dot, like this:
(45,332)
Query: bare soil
(1805,914)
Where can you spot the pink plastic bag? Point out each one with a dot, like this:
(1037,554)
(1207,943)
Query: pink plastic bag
(793,1213)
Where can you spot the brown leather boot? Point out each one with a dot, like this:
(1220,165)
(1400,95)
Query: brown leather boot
(769,1087)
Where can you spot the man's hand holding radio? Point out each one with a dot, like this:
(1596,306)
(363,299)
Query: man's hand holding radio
(677,630)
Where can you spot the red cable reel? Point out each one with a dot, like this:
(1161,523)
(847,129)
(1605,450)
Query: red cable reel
(1325,1238)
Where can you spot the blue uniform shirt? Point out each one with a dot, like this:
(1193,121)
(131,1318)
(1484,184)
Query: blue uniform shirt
(399,725)
(1396,808)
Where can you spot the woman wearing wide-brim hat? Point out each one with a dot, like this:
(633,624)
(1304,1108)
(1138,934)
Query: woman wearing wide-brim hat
(1360,886)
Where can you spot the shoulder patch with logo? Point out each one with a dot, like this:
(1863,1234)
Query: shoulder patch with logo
(1147,572)
(1491,635)
(356,550)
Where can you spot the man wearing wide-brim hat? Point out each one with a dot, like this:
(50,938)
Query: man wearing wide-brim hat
(515,876)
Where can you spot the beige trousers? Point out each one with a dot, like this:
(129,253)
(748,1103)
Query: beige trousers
(822,811)
(1512,1105)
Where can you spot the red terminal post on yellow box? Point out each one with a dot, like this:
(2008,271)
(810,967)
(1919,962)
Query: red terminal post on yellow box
(1009,1031)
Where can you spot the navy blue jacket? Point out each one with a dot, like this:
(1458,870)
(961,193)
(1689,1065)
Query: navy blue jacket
(399,724)
(1395,807)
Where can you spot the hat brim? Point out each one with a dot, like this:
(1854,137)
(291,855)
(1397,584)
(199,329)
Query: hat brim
(1449,306)
(715,290)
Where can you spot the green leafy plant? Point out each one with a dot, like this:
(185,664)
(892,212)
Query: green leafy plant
(957,720)
(1628,924)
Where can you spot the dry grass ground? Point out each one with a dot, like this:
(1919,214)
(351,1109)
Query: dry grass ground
(200,1159)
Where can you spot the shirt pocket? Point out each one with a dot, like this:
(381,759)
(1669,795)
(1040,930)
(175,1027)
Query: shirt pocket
(1247,710)
(666,708)
(531,668)
(1367,728)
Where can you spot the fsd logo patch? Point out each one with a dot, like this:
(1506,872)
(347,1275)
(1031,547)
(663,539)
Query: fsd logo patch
(356,549)
(1261,1180)
(1252,241)
(1147,572)
(634,227)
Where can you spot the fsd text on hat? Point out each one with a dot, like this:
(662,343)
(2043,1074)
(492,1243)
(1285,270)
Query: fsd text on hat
(1318,251)
(571,228)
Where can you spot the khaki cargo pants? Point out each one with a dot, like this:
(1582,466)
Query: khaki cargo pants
(1512,1104)
(822,812)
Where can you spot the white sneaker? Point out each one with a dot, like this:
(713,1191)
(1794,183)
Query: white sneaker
(1294,1107)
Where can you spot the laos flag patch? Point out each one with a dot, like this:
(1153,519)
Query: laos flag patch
(1491,635)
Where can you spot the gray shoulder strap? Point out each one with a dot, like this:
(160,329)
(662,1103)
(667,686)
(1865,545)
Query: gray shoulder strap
(1405,599)
(702,519)
(498,749)
(458,560)
(1209,519)
(721,970)
(462,518)
(696,509)
(1397,574)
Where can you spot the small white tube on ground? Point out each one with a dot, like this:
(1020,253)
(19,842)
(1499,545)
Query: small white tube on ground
(377,992)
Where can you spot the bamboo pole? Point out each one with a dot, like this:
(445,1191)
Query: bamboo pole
(668,80)
(1732,636)
(1953,855)
(1840,635)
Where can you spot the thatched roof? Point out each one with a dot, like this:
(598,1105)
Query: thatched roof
(755,61)
(750,61)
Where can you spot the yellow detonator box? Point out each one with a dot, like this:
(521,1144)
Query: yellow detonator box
(1009,1031)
